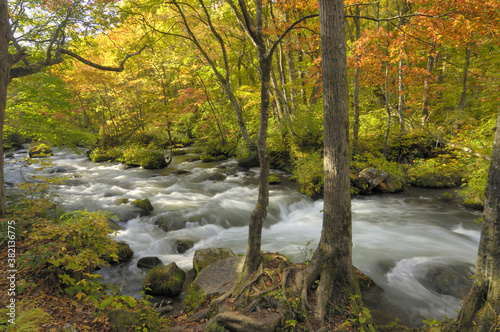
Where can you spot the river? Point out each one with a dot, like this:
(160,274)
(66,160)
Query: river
(419,249)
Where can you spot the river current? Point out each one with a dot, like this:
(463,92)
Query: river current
(419,249)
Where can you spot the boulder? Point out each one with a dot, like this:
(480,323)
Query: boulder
(165,280)
(145,206)
(183,245)
(217,177)
(274,179)
(125,253)
(372,179)
(149,262)
(219,277)
(453,280)
(204,257)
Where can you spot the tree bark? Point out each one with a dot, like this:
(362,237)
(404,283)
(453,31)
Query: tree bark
(463,97)
(427,85)
(481,309)
(355,127)
(332,260)
(6,63)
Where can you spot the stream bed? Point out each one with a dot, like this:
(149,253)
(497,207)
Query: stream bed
(419,249)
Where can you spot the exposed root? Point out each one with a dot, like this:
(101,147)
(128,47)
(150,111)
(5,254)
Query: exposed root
(258,298)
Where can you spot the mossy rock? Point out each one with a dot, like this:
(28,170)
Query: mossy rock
(149,262)
(99,157)
(124,252)
(145,206)
(204,257)
(274,179)
(206,158)
(144,319)
(183,245)
(153,160)
(40,151)
(165,281)
(123,200)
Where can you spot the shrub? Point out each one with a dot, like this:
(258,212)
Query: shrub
(441,172)
(71,247)
(309,174)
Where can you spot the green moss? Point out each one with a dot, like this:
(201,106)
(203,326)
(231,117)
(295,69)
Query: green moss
(165,280)
(194,298)
(144,319)
(98,156)
(144,204)
(441,172)
(40,151)
(274,179)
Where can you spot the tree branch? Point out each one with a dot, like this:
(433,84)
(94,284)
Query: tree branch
(120,68)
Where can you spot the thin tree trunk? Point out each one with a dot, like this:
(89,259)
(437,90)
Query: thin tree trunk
(481,309)
(463,97)
(427,86)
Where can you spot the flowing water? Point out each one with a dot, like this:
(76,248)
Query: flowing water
(419,249)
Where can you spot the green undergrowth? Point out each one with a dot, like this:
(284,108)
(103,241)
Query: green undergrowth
(61,253)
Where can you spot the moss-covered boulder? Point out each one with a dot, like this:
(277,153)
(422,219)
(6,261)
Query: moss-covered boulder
(153,160)
(125,253)
(274,179)
(204,257)
(99,156)
(123,319)
(145,206)
(374,180)
(40,151)
(165,281)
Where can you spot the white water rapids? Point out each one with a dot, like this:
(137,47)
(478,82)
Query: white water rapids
(413,245)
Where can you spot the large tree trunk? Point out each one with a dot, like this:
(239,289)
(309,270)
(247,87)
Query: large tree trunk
(6,62)
(481,309)
(332,261)
(355,127)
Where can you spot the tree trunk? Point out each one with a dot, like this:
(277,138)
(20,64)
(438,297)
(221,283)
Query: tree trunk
(463,97)
(481,309)
(427,86)
(6,63)
(333,257)
(355,127)
(259,214)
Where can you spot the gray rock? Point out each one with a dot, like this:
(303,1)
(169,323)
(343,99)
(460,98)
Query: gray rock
(219,277)
(204,257)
